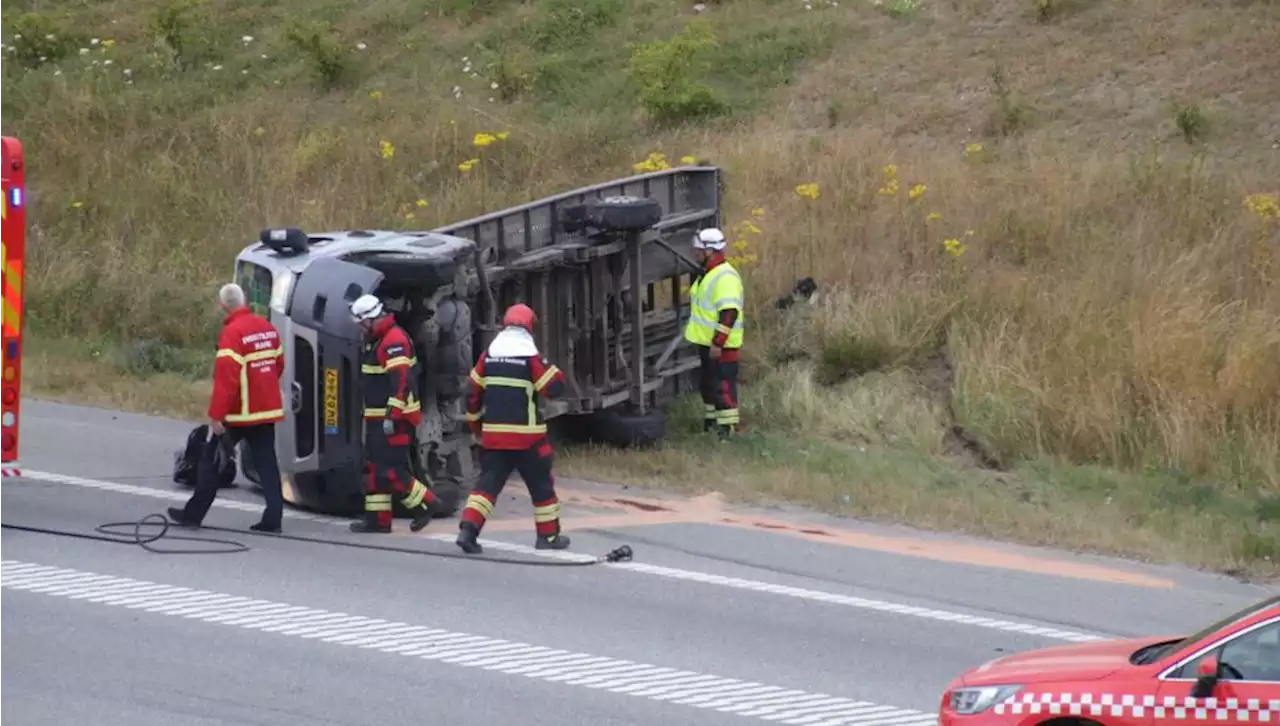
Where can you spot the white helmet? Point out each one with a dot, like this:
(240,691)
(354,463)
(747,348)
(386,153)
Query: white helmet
(709,239)
(366,307)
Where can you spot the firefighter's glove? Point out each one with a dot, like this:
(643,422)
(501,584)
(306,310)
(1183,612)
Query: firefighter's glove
(388,426)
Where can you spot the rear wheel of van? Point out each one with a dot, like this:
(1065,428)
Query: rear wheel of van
(621,427)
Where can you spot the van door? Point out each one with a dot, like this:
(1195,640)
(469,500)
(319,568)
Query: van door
(326,367)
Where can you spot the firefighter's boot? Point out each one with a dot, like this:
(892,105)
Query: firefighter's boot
(552,542)
(370,524)
(467,534)
(426,512)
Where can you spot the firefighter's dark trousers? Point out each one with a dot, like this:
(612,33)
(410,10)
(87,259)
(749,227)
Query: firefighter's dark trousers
(387,472)
(534,465)
(719,385)
(261,439)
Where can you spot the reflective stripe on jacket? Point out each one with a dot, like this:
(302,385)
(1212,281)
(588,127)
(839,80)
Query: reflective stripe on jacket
(711,298)
(390,373)
(247,371)
(502,406)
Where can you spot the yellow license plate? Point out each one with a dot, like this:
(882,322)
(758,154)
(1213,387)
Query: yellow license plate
(330,401)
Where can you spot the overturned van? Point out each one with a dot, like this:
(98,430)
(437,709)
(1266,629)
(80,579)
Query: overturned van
(605,267)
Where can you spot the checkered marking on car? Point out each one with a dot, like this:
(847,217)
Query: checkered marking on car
(737,583)
(1162,709)
(670,685)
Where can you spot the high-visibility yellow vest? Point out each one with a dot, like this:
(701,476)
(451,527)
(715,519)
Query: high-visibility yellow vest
(719,289)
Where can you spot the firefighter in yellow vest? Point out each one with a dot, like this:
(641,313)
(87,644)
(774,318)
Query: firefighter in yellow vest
(715,326)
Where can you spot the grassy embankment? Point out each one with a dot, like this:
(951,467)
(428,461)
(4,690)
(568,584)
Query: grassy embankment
(1048,311)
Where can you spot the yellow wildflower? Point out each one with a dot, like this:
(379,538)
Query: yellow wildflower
(757,212)
(482,139)
(259,131)
(968,233)
(77,204)
(916,191)
(375,95)
(468,165)
(971,149)
(688,160)
(932,217)
(808,191)
(889,189)
(108,43)
(656,161)
(748,226)
(1266,206)
(386,149)
(410,216)
(891,171)
(954,247)
(503,135)
(740,245)
(421,203)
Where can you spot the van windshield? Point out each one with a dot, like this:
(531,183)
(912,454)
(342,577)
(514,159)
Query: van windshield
(256,281)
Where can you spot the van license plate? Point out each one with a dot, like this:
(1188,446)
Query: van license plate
(330,401)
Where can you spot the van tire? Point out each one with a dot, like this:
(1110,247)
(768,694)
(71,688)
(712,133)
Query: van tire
(618,427)
(449,492)
(623,213)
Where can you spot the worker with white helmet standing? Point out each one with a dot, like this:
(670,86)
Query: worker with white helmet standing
(716,302)
(392,411)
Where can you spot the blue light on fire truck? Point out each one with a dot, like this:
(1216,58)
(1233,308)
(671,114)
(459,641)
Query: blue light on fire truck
(15,197)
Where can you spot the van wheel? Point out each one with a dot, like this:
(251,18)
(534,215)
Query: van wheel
(621,427)
(449,492)
(623,213)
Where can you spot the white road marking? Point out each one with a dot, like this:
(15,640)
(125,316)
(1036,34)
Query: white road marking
(741,698)
(737,583)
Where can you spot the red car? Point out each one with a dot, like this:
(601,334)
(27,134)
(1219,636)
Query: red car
(1224,675)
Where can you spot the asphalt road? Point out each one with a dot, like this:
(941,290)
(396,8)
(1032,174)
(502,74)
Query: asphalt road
(776,615)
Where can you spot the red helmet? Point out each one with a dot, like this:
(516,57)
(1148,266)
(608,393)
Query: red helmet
(520,315)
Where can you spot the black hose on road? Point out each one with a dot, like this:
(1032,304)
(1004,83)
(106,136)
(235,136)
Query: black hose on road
(231,547)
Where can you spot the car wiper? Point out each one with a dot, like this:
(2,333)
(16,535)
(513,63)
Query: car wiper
(1152,653)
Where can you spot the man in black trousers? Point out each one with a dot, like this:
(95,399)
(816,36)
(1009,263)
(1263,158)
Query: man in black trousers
(245,405)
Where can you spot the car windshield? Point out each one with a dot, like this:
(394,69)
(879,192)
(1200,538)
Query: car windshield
(1189,640)
(256,281)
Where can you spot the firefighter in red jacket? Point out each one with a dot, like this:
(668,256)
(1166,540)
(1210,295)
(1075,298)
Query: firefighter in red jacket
(392,411)
(502,411)
(245,405)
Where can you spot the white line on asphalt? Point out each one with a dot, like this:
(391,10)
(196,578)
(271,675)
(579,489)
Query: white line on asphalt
(747,698)
(737,583)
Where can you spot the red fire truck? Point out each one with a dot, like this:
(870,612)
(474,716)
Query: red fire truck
(13,232)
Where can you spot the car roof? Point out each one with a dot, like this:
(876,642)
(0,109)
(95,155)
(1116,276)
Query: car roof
(346,244)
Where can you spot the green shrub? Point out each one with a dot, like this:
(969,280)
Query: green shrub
(180,25)
(319,43)
(669,74)
(38,39)
(561,24)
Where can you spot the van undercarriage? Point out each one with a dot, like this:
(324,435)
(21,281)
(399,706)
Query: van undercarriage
(606,269)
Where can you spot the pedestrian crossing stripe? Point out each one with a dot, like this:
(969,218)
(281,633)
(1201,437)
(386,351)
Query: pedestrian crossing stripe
(614,675)
(1163,709)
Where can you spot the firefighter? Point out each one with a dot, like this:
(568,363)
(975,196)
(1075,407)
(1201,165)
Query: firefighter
(391,414)
(245,405)
(502,412)
(715,327)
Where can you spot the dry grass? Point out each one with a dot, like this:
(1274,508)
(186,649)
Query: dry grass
(106,376)
(1086,289)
